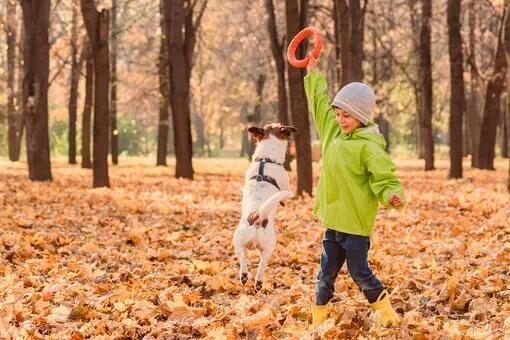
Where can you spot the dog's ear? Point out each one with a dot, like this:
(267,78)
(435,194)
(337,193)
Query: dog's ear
(257,132)
(287,130)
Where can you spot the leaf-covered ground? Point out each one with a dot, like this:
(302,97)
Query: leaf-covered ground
(152,258)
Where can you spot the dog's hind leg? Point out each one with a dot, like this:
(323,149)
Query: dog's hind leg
(243,266)
(265,255)
(243,263)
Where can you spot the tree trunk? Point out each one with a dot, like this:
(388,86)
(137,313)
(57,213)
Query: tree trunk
(256,118)
(13,114)
(199,124)
(492,107)
(356,40)
(179,88)
(181,32)
(163,94)
(245,137)
(36,15)
(473,108)
(506,46)
(19,92)
(73,93)
(114,133)
(222,135)
(384,128)
(504,133)
(97,25)
(375,68)
(277,48)
(295,13)
(87,108)
(416,84)
(457,99)
(343,40)
(244,143)
(426,86)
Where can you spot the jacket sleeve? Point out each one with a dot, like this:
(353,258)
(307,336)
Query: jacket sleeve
(319,105)
(382,178)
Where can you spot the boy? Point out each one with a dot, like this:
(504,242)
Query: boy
(356,174)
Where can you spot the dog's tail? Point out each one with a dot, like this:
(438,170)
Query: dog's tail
(268,206)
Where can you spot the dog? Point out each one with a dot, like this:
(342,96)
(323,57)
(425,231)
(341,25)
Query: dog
(266,185)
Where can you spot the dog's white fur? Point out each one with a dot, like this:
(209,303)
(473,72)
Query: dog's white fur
(261,197)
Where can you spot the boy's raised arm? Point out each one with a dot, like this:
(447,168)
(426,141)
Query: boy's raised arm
(319,105)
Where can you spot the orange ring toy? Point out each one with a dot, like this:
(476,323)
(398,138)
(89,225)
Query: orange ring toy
(291,51)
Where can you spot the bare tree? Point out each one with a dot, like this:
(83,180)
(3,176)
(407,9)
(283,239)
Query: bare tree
(256,116)
(163,94)
(457,99)
(13,114)
(87,108)
(349,34)
(74,79)
(97,25)
(356,40)
(506,44)
(181,33)
(278,50)
(473,116)
(426,86)
(36,15)
(295,14)
(342,38)
(114,36)
(492,107)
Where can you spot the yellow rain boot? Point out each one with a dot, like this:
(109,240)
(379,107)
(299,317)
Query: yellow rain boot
(319,314)
(388,314)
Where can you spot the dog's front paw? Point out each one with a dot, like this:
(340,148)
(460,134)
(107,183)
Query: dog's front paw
(244,278)
(258,285)
(253,218)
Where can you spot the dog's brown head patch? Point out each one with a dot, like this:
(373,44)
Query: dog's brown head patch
(278,130)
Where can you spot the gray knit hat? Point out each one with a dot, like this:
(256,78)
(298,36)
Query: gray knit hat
(358,100)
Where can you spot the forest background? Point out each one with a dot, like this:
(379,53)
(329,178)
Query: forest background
(234,81)
(120,86)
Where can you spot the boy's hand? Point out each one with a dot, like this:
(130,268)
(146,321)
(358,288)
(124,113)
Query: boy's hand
(312,63)
(395,201)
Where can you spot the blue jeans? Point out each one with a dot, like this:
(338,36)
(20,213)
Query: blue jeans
(337,248)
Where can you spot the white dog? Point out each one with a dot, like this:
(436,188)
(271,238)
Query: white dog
(266,184)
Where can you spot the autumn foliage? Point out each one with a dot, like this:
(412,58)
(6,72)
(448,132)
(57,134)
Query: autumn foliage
(152,258)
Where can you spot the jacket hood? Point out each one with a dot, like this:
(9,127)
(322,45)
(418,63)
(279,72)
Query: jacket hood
(370,132)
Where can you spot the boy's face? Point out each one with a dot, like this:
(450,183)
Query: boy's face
(346,122)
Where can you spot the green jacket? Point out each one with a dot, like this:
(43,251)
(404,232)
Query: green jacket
(356,171)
